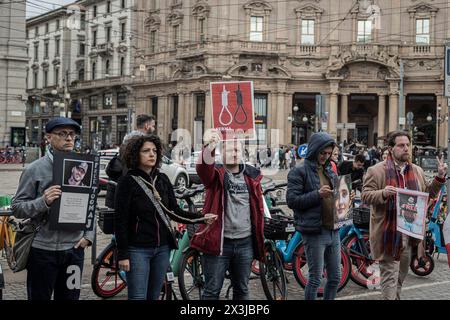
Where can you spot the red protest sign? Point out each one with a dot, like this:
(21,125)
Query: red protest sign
(232,109)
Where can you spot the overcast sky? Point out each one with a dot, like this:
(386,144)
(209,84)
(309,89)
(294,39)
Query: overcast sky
(36,7)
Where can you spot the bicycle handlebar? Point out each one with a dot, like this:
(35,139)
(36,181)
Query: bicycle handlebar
(188,193)
(274,187)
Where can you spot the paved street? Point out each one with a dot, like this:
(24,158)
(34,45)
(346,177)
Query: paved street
(434,287)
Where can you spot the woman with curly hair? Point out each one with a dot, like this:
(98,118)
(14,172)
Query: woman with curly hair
(145,203)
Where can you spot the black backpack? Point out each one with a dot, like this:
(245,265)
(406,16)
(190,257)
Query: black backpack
(115,169)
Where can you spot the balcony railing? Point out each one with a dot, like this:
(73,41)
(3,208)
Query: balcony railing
(307,49)
(104,82)
(422,49)
(105,48)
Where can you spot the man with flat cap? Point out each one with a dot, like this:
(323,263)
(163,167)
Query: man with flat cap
(54,253)
(77,175)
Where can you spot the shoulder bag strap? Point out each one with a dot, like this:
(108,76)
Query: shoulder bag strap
(147,191)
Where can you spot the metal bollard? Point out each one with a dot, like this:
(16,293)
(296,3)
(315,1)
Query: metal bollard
(94,249)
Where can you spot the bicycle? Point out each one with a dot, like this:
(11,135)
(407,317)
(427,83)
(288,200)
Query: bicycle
(291,250)
(107,280)
(6,241)
(355,237)
(434,240)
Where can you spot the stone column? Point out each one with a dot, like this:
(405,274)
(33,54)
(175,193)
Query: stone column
(281,116)
(381,117)
(181,110)
(344,116)
(333,113)
(163,129)
(393,112)
(442,125)
(208,111)
(189,114)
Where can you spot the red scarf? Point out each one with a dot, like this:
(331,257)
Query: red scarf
(392,238)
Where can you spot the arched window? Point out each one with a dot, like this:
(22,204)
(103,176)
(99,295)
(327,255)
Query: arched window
(107,68)
(122,66)
(81,74)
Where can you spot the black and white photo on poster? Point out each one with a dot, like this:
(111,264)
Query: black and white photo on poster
(78,176)
(77,173)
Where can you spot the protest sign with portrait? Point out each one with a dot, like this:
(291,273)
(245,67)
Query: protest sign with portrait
(411,212)
(78,176)
(342,201)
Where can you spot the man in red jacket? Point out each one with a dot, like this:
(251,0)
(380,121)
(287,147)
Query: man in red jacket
(233,192)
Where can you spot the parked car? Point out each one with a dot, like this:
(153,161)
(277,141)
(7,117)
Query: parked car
(177,174)
(192,171)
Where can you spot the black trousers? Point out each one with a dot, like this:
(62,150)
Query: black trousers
(54,272)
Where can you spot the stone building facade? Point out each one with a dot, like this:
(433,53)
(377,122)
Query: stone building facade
(56,58)
(105,95)
(80,57)
(354,55)
(13,61)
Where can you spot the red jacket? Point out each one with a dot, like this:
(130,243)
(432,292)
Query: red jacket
(212,177)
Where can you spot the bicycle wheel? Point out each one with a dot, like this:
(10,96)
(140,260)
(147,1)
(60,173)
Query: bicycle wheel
(272,275)
(106,280)
(423,266)
(190,278)
(362,267)
(301,269)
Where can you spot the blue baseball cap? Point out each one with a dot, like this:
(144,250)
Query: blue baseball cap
(60,122)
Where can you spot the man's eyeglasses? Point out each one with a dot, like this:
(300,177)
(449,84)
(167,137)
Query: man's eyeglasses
(65,134)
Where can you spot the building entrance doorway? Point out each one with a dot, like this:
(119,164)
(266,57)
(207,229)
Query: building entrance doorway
(363,111)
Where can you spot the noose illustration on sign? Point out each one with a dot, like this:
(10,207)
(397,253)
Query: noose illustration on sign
(225,108)
(239,102)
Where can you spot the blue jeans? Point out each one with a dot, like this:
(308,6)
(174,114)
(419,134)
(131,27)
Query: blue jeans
(148,267)
(323,249)
(237,257)
(53,272)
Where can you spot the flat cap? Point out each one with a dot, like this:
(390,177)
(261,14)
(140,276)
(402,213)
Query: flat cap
(60,122)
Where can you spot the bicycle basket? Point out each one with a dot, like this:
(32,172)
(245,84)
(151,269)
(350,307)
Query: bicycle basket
(361,217)
(106,220)
(278,227)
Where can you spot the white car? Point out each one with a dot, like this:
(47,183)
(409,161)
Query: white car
(177,174)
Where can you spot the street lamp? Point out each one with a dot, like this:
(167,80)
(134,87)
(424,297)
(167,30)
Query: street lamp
(296,108)
(305,118)
(429,117)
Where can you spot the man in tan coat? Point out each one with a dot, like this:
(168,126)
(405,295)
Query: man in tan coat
(388,246)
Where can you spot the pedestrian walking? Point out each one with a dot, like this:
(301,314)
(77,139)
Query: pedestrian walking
(54,253)
(388,246)
(355,168)
(232,191)
(145,202)
(310,193)
(116,168)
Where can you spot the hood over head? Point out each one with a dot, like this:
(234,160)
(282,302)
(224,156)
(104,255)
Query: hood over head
(317,143)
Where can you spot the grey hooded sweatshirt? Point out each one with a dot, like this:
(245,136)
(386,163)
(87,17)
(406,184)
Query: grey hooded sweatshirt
(29,202)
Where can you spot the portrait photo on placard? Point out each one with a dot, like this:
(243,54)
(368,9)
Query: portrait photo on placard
(77,173)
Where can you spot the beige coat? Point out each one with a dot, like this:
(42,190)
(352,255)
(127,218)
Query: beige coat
(374,184)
